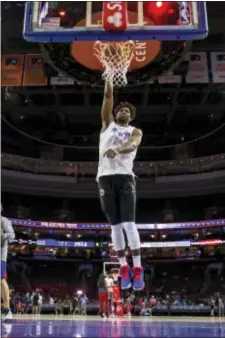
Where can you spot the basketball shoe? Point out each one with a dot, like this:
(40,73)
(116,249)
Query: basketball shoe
(138,279)
(7,315)
(126,276)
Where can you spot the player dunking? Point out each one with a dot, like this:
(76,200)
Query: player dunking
(117,150)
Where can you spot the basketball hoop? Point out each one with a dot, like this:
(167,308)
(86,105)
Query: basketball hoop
(116,58)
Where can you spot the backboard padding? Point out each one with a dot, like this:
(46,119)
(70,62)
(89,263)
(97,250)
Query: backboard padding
(43,23)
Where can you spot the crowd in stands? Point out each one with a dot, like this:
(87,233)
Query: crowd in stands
(38,302)
(181,303)
(190,277)
(34,302)
(169,287)
(36,276)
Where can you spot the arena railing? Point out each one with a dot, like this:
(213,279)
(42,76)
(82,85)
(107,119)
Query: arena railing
(89,169)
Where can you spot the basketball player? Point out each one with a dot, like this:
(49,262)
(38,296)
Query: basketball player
(117,150)
(103,296)
(7,234)
(109,283)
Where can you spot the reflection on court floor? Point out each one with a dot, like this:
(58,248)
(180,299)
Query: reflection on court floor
(52,326)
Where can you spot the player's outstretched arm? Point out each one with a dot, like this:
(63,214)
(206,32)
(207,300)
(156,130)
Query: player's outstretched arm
(107,106)
(133,142)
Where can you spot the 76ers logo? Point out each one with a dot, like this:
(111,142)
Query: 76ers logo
(115,15)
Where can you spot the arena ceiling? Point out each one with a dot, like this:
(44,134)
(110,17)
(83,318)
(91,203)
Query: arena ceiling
(170,113)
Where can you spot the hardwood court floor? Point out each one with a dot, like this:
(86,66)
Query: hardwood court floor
(92,326)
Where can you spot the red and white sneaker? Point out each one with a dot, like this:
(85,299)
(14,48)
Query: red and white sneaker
(126,276)
(138,279)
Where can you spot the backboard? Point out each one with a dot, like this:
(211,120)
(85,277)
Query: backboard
(67,21)
(111,267)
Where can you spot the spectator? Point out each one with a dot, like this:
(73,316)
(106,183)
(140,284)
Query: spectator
(128,306)
(168,303)
(144,308)
(152,303)
(67,306)
(14,300)
(26,301)
(84,300)
(20,307)
(35,303)
(221,306)
(75,307)
(51,301)
(59,307)
(213,306)
(40,301)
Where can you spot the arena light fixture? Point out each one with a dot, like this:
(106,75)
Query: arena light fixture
(62,13)
(159,4)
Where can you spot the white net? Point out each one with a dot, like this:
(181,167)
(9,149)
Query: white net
(116,58)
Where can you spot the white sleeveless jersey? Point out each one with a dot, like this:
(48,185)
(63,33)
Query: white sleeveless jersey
(113,137)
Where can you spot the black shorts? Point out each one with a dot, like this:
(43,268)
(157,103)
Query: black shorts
(118,198)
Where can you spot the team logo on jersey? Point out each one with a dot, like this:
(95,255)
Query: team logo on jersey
(102,192)
(121,134)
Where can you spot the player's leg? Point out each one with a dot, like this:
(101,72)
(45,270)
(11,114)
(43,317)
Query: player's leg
(110,297)
(106,299)
(101,304)
(127,212)
(110,207)
(5,292)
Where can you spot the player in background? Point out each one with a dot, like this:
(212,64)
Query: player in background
(7,234)
(103,296)
(110,283)
(118,146)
